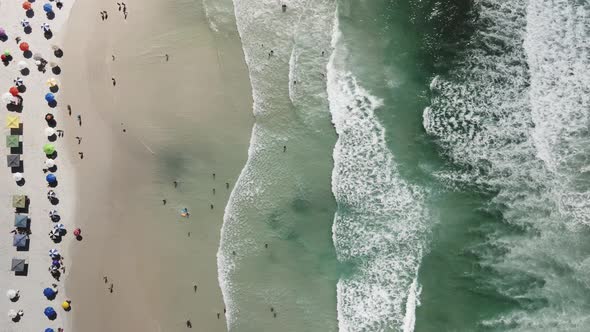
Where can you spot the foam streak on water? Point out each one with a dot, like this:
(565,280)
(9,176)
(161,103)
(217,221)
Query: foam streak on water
(515,115)
(381,223)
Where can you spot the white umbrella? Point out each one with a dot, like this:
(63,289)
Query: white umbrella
(53,253)
(52,213)
(51,194)
(18,81)
(59,227)
(12,313)
(22,65)
(7,98)
(25,23)
(45,27)
(37,56)
(37,62)
(17,176)
(50,163)
(11,294)
(49,131)
(52,64)
(52,82)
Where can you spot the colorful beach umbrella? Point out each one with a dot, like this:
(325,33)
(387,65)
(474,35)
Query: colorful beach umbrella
(11,294)
(27,5)
(50,313)
(2,32)
(77,232)
(59,227)
(13,91)
(65,305)
(21,221)
(49,292)
(12,122)
(48,148)
(47,8)
(49,330)
(49,97)
(18,81)
(19,201)
(24,46)
(12,141)
(51,178)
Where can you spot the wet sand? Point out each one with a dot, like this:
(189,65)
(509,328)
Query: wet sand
(177,120)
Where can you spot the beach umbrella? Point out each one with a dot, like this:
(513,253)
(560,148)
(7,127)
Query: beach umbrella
(47,8)
(13,91)
(20,240)
(19,201)
(51,194)
(26,5)
(49,330)
(22,65)
(7,98)
(21,221)
(12,141)
(55,262)
(49,312)
(53,253)
(24,46)
(12,314)
(17,265)
(53,213)
(18,81)
(52,82)
(37,56)
(50,163)
(2,32)
(17,176)
(48,148)
(7,52)
(50,178)
(49,97)
(11,294)
(49,131)
(12,122)
(13,160)
(65,305)
(77,232)
(49,292)
(59,227)
(3,57)
(25,23)
(45,27)
(48,117)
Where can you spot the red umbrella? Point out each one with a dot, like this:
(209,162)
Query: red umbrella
(24,46)
(77,232)
(13,91)
(26,5)
(3,57)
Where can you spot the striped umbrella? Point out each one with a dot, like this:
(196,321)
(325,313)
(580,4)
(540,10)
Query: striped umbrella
(53,253)
(59,227)
(25,23)
(45,27)
(18,81)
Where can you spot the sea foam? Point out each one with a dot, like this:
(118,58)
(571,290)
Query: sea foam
(381,224)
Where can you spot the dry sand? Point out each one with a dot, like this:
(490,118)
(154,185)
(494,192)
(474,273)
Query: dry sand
(183,119)
(31,286)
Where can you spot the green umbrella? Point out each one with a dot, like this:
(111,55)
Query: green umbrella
(7,52)
(12,141)
(19,201)
(48,148)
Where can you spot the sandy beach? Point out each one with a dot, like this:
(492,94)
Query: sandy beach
(177,119)
(34,186)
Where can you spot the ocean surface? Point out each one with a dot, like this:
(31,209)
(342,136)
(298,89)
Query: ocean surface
(415,165)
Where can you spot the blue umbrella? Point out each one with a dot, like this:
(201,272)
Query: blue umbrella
(47,8)
(48,292)
(49,97)
(50,178)
(50,313)
(49,329)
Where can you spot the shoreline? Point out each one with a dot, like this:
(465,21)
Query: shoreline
(123,217)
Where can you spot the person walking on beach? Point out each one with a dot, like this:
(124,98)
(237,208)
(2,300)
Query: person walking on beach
(81,155)
(69,110)
(105,279)
(175,184)
(118,4)
(213,191)
(164,201)
(211,206)
(79,139)
(213,176)
(114,81)
(227,185)
(195,288)
(166,57)
(80,120)
(111,288)
(284,148)
(113,57)
(189,324)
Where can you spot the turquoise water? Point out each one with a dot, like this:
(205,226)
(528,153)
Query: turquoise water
(435,177)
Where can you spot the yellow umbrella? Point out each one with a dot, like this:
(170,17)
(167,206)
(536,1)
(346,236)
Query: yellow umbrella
(65,305)
(52,82)
(12,121)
